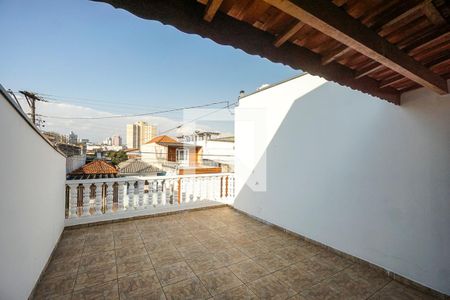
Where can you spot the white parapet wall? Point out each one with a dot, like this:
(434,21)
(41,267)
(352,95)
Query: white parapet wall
(32,181)
(351,171)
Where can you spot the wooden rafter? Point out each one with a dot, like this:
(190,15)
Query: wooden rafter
(332,21)
(368,70)
(426,7)
(288,34)
(430,44)
(335,53)
(211,9)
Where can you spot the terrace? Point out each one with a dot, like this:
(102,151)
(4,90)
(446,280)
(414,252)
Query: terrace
(217,252)
(336,193)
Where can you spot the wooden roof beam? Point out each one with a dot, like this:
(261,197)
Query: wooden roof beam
(211,9)
(288,34)
(432,13)
(332,21)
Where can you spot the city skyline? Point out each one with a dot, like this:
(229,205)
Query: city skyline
(117,68)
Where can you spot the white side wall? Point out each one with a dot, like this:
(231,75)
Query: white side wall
(353,172)
(220,151)
(154,154)
(32,183)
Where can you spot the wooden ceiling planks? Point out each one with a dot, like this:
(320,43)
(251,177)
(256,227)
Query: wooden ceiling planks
(416,30)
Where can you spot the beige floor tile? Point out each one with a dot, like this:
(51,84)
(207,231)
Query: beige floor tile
(55,287)
(96,260)
(191,288)
(123,253)
(251,249)
(128,241)
(133,264)
(98,246)
(173,273)
(61,267)
(141,285)
(159,245)
(104,291)
(351,288)
(397,291)
(193,250)
(296,278)
(269,287)
(204,264)
(248,270)
(101,274)
(322,291)
(241,292)
(230,256)
(271,262)
(219,281)
(166,257)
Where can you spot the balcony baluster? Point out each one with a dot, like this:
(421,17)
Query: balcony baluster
(98,199)
(109,198)
(131,195)
(140,194)
(73,201)
(120,190)
(86,199)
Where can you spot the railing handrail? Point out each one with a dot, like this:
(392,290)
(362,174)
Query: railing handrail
(140,178)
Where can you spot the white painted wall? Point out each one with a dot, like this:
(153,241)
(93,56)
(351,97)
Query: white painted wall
(32,183)
(74,162)
(219,151)
(351,171)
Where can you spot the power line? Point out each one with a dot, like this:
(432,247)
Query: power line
(136,115)
(196,119)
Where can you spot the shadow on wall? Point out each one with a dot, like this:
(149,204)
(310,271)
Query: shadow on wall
(363,176)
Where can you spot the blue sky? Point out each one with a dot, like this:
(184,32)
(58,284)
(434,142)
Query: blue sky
(111,60)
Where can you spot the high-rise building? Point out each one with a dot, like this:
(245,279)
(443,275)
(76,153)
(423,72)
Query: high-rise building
(117,140)
(72,138)
(139,133)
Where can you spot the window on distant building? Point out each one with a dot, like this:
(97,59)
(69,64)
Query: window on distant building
(183,156)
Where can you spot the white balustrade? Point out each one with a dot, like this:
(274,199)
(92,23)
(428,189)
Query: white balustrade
(151,195)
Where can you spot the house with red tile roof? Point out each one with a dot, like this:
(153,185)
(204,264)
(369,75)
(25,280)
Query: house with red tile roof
(175,157)
(94,169)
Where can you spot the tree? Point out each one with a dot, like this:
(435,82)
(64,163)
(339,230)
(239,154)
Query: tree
(117,157)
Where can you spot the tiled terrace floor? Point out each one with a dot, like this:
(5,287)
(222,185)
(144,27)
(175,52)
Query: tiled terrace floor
(203,254)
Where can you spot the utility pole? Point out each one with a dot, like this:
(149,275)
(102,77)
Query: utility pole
(31,99)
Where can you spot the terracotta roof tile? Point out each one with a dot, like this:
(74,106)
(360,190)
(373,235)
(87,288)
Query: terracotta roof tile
(95,167)
(162,139)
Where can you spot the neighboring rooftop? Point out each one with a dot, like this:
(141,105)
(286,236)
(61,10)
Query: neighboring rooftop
(94,169)
(224,139)
(136,167)
(162,139)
